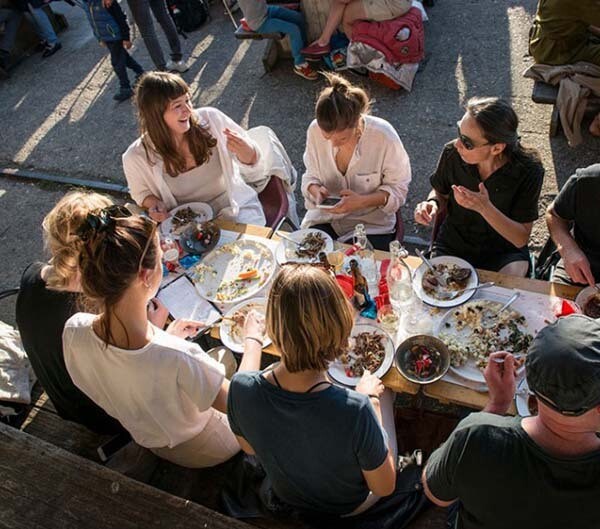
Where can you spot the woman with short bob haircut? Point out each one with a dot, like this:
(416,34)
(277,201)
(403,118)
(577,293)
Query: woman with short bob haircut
(324,447)
(489,185)
(164,390)
(189,155)
(355,156)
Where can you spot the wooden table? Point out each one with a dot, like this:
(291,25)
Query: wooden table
(444,392)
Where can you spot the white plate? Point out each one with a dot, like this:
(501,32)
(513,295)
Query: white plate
(227,337)
(444,259)
(223,265)
(280,252)
(521,398)
(203,210)
(583,296)
(469,370)
(337,370)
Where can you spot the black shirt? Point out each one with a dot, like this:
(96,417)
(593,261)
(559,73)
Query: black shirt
(41,317)
(505,480)
(579,202)
(514,189)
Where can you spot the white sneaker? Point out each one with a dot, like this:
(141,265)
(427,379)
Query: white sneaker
(177,66)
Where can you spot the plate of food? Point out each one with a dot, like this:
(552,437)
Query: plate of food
(182,216)
(310,244)
(525,400)
(232,326)
(589,301)
(422,359)
(452,275)
(370,348)
(471,333)
(234,272)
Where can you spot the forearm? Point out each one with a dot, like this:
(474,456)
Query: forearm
(560,233)
(252,356)
(442,200)
(497,408)
(514,232)
(377,199)
(150,201)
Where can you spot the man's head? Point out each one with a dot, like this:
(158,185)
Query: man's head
(563,365)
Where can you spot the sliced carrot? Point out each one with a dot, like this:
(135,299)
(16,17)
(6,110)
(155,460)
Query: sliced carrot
(249,274)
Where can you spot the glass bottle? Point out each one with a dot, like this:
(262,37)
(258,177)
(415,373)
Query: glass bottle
(366,252)
(399,278)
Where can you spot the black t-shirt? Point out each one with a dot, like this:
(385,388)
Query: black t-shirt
(505,480)
(41,317)
(514,189)
(579,202)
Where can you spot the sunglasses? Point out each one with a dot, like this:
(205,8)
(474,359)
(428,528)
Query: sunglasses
(567,413)
(466,141)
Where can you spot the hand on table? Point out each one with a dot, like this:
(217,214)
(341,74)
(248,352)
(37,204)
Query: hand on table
(157,313)
(254,325)
(185,328)
(425,212)
(474,200)
(369,384)
(351,201)
(578,266)
(501,381)
(237,145)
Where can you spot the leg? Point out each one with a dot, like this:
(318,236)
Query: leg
(12,21)
(381,241)
(132,64)
(118,59)
(327,228)
(289,15)
(334,19)
(159,9)
(44,26)
(140,10)
(290,29)
(355,11)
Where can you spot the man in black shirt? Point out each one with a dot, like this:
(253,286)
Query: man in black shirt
(538,472)
(578,203)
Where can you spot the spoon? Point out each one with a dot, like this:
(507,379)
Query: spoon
(488,321)
(299,245)
(501,360)
(427,262)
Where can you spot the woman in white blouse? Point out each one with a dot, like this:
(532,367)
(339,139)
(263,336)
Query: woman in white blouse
(357,157)
(185,155)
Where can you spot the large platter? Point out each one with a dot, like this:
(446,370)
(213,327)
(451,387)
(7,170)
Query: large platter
(284,256)
(449,332)
(217,276)
(231,335)
(337,370)
(204,212)
(435,302)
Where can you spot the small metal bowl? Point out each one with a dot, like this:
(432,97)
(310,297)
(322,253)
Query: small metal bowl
(403,353)
(208,232)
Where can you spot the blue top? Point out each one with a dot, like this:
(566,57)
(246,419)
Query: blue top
(311,445)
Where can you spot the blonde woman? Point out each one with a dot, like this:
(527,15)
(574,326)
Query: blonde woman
(189,155)
(326,449)
(359,157)
(48,297)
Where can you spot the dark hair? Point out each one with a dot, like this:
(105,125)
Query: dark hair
(341,104)
(113,254)
(500,124)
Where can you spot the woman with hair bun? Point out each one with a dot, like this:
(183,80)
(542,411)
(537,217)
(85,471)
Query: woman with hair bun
(489,184)
(48,296)
(164,390)
(356,156)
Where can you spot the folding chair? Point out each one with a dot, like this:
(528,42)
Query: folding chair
(275,204)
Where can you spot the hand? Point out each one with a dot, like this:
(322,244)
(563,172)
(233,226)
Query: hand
(240,147)
(127,44)
(473,200)
(158,211)
(107,3)
(185,328)
(578,266)
(318,192)
(425,211)
(350,202)
(369,384)
(254,325)
(157,313)
(501,382)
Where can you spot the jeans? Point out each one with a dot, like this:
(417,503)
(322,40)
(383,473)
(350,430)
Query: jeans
(290,23)
(140,10)
(121,60)
(43,25)
(12,21)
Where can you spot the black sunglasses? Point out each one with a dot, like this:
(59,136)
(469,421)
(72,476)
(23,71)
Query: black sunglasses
(466,141)
(566,413)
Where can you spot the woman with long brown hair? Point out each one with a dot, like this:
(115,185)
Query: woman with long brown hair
(164,390)
(189,155)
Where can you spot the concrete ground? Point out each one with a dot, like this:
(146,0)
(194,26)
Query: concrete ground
(57,115)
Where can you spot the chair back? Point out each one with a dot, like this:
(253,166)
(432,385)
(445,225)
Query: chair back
(399,226)
(274,201)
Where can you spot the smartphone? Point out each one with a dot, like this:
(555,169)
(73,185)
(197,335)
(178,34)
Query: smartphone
(112,446)
(329,202)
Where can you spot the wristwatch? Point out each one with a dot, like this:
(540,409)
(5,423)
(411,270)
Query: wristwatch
(433,199)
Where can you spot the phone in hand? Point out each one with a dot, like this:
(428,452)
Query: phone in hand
(329,202)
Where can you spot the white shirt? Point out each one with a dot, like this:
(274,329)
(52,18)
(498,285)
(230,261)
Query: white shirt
(379,163)
(162,393)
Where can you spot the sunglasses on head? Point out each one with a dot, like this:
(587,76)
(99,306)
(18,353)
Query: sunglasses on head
(466,141)
(567,413)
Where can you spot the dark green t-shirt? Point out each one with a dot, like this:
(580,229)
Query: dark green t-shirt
(579,201)
(506,481)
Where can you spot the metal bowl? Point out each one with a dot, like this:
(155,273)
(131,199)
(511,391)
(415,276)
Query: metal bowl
(403,356)
(199,238)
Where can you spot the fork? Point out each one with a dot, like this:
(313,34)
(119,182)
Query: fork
(427,262)
(456,293)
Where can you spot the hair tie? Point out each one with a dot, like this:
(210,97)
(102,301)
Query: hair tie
(102,222)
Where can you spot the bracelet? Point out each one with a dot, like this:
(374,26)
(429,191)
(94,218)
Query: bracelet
(433,199)
(373,396)
(257,340)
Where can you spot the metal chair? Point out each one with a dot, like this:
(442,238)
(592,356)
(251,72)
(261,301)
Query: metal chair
(399,227)
(274,201)
(9,292)
(546,261)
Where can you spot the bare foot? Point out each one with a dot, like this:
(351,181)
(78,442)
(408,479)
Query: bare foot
(595,126)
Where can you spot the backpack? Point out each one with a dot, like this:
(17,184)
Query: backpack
(188,15)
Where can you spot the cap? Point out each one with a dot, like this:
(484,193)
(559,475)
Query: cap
(563,365)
